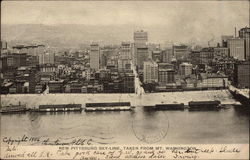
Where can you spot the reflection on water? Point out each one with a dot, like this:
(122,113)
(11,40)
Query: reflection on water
(134,127)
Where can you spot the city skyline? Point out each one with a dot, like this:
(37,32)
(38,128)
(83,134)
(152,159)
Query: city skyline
(164,20)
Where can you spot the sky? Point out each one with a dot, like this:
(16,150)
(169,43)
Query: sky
(201,17)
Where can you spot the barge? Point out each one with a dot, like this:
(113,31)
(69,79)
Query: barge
(109,106)
(204,105)
(14,108)
(58,108)
(160,107)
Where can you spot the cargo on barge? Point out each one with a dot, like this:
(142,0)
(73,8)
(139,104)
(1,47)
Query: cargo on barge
(109,106)
(204,105)
(58,108)
(159,107)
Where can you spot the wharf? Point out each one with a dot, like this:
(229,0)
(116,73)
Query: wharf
(146,99)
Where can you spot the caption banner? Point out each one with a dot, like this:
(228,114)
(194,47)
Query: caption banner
(211,151)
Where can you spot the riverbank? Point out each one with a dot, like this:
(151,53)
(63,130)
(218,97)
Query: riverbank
(34,100)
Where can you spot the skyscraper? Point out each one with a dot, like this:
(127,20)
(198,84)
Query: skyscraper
(125,55)
(126,51)
(236,48)
(140,38)
(167,55)
(94,56)
(180,52)
(150,72)
(140,48)
(244,33)
(141,56)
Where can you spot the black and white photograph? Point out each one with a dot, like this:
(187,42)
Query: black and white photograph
(94,80)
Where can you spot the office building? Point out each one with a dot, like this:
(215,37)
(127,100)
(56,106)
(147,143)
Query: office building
(243,75)
(244,33)
(46,58)
(181,52)
(165,66)
(237,48)
(95,56)
(206,56)
(128,83)
(56,86)
(3,45)
(150,72)
(167,55)
(126,51)
(185,69)
(142,56)
(157,56)
(125,55)
(166,76)
(140,38)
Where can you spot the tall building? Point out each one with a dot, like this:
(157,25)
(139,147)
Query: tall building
(157,56)
(244,33)
(140,48)
(242,74)
(236,48)
(32,50)
(167,55)
(126,51)
(166,76)
(13,61)
(128,83)
(94,56)
(46,58)
(3,45)
(142,56)
(185,69)
(224,40)
(180,52)
(125,55)
(206,56)
(140,38)
(150,72)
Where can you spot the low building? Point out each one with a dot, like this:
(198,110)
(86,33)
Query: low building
(84,89)
(214,81)
(56,86)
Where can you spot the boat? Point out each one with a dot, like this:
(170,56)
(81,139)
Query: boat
(109,106)
(58,108)
(174,106)
(19,108)
(204,105)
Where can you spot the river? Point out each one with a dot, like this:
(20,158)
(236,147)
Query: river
(134,127)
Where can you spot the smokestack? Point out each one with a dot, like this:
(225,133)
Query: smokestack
(234,32)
